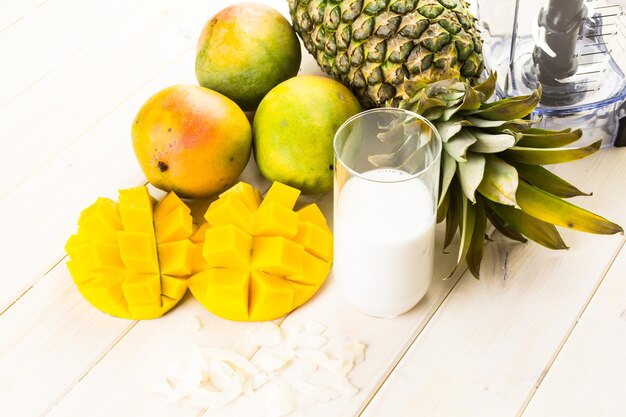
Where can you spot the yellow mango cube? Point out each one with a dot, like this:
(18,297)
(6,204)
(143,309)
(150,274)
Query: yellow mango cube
(314,271)
(172,219)
(281,194)
(302,293)
(229,210)
(146,311)
(104,289)
(277,255)
(171,202)
(271,296)
(79,275)
(199,234)
(315,240)
(225,291)
(142,289)
(246,193)
(95,256)
(135,206)
(274,219)
(173,287)
(198,263)
(74,241)
(312,213)
(227,246)
(176,225)
(175,258)
(101,221)
(139,252)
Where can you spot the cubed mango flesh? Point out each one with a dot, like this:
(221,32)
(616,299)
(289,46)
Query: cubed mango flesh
(138,251)
(132,276)
(250,196)
(281,194)
(272,295)
(315,240)
(101,219)
(135,206)
(312,213)
(274,219)
(229,210)
(224,291)
(175,258)
(227,246)
(263,272)
(172,219)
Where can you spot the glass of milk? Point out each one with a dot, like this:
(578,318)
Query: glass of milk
(386,185)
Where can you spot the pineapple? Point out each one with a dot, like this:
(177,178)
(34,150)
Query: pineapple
(425,56)
(373,46)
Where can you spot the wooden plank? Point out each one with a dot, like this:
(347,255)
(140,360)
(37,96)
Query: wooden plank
(56,111)
(39,216)
(588,377)
(49,35)
(15,11)
(489,343)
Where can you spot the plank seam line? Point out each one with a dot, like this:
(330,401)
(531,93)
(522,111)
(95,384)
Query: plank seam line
(97,121)
(30,286)
(88,369)
(23,16)
(19,296)
(98,36)
(570,330)
(420,328)
(11,24)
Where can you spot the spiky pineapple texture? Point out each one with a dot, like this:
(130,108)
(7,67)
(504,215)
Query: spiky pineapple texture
(373,46)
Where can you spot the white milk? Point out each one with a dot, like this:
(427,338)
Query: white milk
(384,242)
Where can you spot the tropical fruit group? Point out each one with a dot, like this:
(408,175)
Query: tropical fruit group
(294,128)
(191,140)
(131,259)
(375,46)
(244,51)
(262,258)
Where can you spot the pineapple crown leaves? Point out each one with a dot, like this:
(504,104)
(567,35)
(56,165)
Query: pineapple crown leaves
(492,167)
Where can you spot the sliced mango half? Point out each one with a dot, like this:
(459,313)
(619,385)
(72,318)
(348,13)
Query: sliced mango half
(260,259)
(132,258)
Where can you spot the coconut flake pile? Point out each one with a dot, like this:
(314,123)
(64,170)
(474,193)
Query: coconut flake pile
(294,368)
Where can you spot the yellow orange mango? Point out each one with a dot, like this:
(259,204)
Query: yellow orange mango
(191,140)
(260,259)
(132,259)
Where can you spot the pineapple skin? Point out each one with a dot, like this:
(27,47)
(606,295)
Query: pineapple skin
(375,46)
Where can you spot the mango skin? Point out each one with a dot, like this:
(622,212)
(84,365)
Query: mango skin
(191,140)
(294,128)
(244,51)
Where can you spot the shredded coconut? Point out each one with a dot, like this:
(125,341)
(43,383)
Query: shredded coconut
(295,366)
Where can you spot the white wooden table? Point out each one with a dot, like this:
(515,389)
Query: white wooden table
(541,334)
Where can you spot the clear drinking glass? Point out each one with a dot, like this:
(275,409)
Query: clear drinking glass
(386,186)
